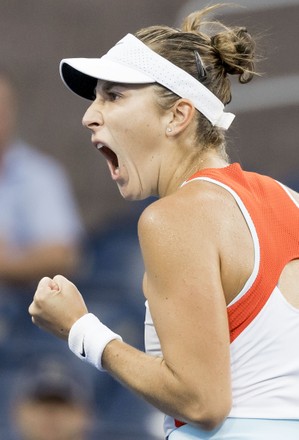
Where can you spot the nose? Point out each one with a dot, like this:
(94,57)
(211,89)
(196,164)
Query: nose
(93,117)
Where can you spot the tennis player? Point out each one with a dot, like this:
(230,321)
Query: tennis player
(220,245)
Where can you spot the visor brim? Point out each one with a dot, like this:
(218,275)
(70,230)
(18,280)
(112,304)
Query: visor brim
(80,75)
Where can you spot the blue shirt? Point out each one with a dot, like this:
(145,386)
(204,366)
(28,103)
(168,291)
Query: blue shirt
(36,201)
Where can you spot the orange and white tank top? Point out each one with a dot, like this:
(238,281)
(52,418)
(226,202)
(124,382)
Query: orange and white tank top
(264,327)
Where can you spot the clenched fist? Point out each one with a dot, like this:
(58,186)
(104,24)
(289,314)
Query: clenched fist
(57,305)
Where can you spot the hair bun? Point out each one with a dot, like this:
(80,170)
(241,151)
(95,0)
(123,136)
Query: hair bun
(236,51)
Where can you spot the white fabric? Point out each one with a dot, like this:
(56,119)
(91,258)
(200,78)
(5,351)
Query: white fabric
(242,429)
(265,363)
(151,340)
(131,61)
(88,338)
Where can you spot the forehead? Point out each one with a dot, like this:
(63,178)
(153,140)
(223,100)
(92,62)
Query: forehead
(141,92)
(104,85)
(107,85)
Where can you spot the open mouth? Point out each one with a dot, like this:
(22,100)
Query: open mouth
(111,158)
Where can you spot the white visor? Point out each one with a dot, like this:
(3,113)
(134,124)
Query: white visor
(132,62)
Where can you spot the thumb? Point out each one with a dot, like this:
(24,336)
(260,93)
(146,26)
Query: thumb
(53,285)
(49,283)
(59,281)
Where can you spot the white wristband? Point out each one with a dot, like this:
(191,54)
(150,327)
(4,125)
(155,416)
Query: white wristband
(88,338)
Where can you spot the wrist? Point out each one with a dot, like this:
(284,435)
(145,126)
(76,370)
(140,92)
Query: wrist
(88,338)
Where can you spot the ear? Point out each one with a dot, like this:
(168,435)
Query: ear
(182,114)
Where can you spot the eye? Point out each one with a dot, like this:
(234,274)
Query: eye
(112,95)
(109,91)
(112,92)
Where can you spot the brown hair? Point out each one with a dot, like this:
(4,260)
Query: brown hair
(222,50)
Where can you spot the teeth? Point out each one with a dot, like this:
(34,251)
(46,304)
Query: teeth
(99,146)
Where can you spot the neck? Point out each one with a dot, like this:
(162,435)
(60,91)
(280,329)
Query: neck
(186,168)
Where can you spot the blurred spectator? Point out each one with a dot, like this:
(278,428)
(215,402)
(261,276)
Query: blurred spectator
(51,402)
(40,228)
(52,399)
(39,224)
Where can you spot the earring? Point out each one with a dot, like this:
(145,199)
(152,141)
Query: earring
(169,130)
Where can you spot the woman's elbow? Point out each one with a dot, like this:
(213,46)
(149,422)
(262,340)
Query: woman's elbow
(209,415)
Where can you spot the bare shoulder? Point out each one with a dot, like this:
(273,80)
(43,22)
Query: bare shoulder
(198,206)
(187,227)
(199,228)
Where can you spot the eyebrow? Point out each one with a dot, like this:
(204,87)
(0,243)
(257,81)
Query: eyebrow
(108,85)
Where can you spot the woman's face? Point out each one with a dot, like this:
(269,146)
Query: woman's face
(129,128)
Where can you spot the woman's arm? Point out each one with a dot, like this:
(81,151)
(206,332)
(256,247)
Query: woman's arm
(183,286)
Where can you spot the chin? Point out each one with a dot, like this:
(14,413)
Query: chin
(132,197)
